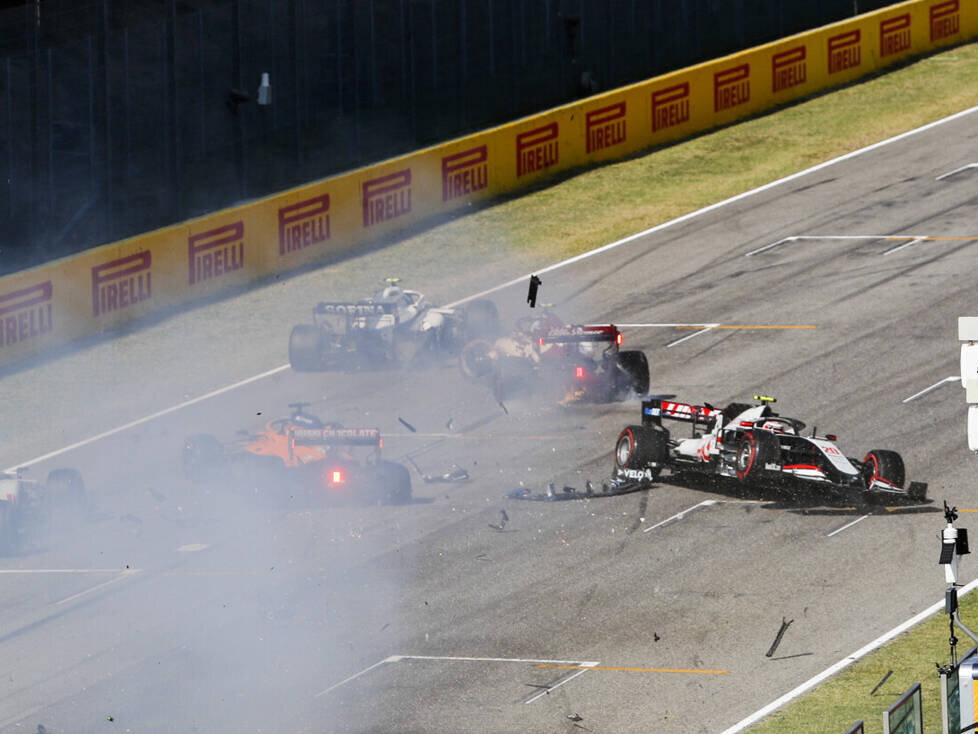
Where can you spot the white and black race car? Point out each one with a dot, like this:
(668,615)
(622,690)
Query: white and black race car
(755,445)
(393,326)
(28,506)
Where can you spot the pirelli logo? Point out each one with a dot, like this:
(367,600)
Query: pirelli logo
(121,283)
(25,314)
(945,20)
(303,224)
(845,51)
(536,149)
(895,35)
(605,127)
(731,87)
(216,252)
(387,197)
(788,68)
(464,173)
(670,106)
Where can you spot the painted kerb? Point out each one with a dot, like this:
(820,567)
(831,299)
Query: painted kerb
(110,285)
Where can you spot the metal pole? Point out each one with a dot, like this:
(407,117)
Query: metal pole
(172,119)
(125,84)
(294,63)
(200,74)
(93,178)
(434,47)
(236,122)
(10,142)
(463,77)
(373,56)
(50,131)
(339,55)
(492,42)
(107,123)
(356,85)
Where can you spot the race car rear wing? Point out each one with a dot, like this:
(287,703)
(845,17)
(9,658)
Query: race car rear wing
(584,333)
(335,436)
(653,411)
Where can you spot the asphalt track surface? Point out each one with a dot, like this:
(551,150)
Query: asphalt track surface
(198,609)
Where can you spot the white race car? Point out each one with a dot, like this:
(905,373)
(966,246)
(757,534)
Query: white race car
(755,445)
(392,326)
(27,505)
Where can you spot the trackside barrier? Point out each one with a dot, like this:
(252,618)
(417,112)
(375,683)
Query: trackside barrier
(107,286)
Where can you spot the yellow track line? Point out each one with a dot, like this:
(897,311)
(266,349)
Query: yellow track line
(636,670)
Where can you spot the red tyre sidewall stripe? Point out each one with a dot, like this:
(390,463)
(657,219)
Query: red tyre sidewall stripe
(753,456)
(631,447)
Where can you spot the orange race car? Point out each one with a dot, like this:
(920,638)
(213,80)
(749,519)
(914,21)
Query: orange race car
(301,455)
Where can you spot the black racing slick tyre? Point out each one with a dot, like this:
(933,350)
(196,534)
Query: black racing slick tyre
(885,465)
(202,454)
(305,347)
(481,321)
(65,491)
(477,360)
(396,482)
(755,451)
(631,373)
(639,446)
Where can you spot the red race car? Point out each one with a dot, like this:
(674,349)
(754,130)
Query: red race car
(580,361)
(301,456)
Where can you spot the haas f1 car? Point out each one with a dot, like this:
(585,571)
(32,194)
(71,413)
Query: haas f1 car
(392,326)
(582,361)
(301,456)
(28,506)
(755,445)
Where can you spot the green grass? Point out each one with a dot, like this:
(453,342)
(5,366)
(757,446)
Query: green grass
(603,204)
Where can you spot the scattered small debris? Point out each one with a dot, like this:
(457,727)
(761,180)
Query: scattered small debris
(130,518)
(158,496)
(575,717)
(655,637)
(888,674)
(503,519)
(449,424)
(109,718)
(777,640)
(385,626)
(41,729)
(504,516)
(483,557)
(407,425)
(503,407)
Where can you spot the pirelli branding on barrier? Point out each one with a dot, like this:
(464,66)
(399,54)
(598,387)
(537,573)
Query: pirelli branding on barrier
(122,282)
(537,149)
(464,173)
(25,314)
(731,87)
(387,197)
(48,306)
(670,106)
(216,252)
(605,127)
(303,224)
(945,20)
(845,51)
(895,35)
(788,69)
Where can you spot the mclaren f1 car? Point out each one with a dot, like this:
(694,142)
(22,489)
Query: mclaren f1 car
(301,457)
(754,445)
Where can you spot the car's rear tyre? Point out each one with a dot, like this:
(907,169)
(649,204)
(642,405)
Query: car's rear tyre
(481,321)
(396,482)
(639,446)
(476,360)
(755,450)
(202,453)
(885,465)
(9,539)
(305,347)
(631,373)
(65,491)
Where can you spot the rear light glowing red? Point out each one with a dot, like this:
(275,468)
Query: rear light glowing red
(830,436)
(619,339)
(380,443)
(335,476)
(579,372)
(540,341)
(748,424)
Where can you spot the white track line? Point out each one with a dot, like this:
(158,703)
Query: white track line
(680,515)
(391,659)
(547,269)
(708,327)
(911,243)
(121,577)
(936,385)
(842,664)
(557,685)
(62,570)
(956,170)
(847,525)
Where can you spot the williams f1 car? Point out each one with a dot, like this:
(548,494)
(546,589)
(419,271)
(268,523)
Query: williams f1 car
(28,506)
(301,457)
(392,326)
(582,361)
(755,445)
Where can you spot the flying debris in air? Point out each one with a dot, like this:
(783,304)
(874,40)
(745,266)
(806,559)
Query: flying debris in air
(407,425)
(531,296)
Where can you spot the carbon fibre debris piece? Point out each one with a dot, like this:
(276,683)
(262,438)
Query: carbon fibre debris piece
(407,425)
(777,640)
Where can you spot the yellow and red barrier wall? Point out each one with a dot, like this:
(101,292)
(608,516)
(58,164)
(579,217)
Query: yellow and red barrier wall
(109,285)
